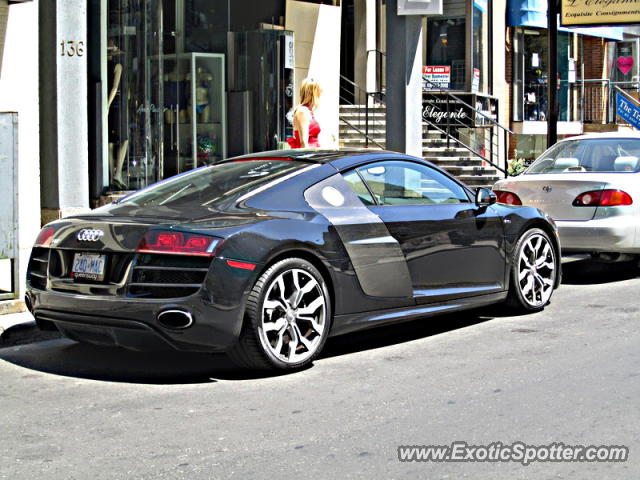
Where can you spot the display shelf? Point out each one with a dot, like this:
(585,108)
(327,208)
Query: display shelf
(194,101)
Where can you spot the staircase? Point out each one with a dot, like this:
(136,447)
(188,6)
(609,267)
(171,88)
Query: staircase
(458,161)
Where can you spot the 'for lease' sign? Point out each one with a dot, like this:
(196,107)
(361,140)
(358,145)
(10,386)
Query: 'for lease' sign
(436,77)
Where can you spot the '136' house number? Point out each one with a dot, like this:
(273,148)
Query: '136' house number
(71,48)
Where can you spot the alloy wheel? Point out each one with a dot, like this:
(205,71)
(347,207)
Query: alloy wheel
(536,270)
(294,314)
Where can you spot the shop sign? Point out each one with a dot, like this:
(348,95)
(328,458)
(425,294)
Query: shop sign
(599,12)
(436,77)
(444,110)
(289,58)
(628,111)
(419,7)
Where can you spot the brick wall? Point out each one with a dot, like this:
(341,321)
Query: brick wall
(508,76)
(595,67)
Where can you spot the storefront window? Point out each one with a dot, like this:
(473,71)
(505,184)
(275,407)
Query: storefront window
(481,73)
(173,68)
(531,66)
(446,46)
(624,66)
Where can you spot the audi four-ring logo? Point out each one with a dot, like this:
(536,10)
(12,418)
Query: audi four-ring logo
(89,235)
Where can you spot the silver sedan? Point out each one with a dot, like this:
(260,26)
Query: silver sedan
(590,186)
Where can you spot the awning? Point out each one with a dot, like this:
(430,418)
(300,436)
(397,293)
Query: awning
(533,13)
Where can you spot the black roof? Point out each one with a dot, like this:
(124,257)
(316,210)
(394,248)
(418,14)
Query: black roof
(313,155)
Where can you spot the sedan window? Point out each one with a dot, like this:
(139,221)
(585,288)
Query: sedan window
(590,155)
(407,183)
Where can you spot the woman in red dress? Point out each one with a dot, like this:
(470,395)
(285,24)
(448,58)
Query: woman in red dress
(305,126)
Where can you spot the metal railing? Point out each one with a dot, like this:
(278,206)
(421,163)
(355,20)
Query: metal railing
(467,126)
(355,96)
(482,139)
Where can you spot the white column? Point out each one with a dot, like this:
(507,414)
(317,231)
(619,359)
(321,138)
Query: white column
(63,94)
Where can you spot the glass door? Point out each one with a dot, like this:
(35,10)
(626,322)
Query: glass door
(146,100)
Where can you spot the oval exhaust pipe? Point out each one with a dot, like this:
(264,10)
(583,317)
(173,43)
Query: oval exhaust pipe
(175,319)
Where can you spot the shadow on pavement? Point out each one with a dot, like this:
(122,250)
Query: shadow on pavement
(67,358)
(589,272)
(405,332)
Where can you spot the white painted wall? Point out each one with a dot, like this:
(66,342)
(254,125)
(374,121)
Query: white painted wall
(317,54)
(19,93)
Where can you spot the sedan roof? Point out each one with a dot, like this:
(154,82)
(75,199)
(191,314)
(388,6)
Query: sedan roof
(594,136)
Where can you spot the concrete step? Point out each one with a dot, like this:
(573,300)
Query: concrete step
(469,171)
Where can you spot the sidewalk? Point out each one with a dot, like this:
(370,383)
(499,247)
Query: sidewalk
(22,324)
(12,319)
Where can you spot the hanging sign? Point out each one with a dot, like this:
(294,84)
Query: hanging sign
(419,7)
(628,111)
(436,77)
(599,12)
(289,55)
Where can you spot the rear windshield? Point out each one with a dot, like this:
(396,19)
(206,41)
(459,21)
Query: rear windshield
(218,186)
(593,155)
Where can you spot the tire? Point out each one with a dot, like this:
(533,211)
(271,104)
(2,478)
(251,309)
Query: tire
(287,318)
(534,268)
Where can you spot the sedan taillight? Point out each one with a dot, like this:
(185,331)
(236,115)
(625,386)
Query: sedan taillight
(603,198)
(180,243)
(507,198)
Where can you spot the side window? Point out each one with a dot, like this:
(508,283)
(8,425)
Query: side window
(358,186)
(395,182)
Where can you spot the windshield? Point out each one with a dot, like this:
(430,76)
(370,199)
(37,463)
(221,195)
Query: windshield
(217,187)
(592,155)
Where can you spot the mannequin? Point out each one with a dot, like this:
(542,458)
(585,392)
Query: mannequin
(174,97)
(118,129)
(203,110)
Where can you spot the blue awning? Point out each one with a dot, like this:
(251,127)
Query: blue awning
(533,13)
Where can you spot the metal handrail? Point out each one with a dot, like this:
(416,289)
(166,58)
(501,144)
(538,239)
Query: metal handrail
(459,100)
(618,89)
(471,149)
(372,96)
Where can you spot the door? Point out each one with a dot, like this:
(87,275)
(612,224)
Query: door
(146,97)
(452,247)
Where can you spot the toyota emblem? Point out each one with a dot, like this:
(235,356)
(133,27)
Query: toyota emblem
(547,188)
(89,235)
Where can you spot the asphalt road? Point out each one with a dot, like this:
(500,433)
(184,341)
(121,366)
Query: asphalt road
(570,374)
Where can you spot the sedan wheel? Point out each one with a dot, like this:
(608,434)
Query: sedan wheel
(534,271)
(288,318)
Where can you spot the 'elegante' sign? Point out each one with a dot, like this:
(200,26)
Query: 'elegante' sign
(599,12)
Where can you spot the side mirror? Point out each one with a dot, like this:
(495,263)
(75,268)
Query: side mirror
(485,197)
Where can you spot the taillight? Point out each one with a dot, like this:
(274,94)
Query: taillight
(180,243)
(507,198)
(44,237)
(603,198)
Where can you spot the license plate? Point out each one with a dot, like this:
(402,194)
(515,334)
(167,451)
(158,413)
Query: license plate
(89,266)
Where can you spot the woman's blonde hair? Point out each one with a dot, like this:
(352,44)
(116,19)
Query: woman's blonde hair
(310,92)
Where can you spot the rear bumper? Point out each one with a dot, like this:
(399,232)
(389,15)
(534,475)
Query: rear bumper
(133,324)
(613,234)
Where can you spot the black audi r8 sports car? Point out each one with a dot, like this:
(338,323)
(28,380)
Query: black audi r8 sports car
(264,256)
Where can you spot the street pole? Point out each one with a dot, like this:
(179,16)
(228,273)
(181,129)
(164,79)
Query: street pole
(552,82)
